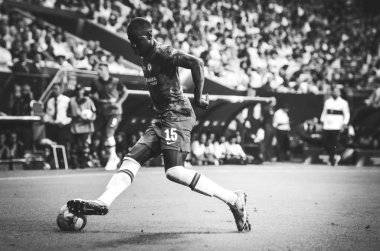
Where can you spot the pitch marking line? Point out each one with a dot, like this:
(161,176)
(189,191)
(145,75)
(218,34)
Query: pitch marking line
(81,175)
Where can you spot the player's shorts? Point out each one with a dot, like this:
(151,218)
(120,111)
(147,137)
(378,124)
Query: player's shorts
(169,134)
(107,124)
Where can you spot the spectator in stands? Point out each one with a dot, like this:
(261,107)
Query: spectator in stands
(14,101)
(121,144)
(335,117)
(4,149)
(209,153)
(83,113)
(310,131)
(56,120)
(37,66)
(6,57)
(22,65)
(257,135)
(368,117)
(281,123)
(234,152)
(20,100)
(16,147)
(64,63)
(220,148)
(269,131)
(198,150)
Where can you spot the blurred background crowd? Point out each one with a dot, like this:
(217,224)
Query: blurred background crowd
(286,46)
(282,46)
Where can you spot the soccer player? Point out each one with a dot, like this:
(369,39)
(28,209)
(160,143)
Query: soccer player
(109,94)
(335,117)
(169,133)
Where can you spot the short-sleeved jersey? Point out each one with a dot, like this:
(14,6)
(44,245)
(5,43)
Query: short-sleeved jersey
(161,74)
(108,92)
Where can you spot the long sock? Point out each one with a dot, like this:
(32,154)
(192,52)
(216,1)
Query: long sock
(200,183)
(120,181)
(112,151)
(223,194)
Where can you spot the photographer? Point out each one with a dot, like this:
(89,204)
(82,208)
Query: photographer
(82,111)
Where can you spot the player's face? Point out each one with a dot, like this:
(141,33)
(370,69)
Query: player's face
(336,93)
(140,44)
(103,72)
(56,90)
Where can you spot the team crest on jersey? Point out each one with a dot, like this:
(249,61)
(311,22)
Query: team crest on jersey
(149,67)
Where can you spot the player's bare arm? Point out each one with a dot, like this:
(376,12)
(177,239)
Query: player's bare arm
(123,96)
(197,72)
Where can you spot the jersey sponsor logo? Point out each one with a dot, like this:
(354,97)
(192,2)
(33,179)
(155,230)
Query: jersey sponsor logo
(149,67)
(151,81)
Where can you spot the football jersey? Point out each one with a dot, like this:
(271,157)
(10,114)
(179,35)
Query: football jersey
(161,75)
(335,114)
(108,91)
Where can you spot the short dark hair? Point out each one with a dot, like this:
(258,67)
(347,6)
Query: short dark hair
(139,24)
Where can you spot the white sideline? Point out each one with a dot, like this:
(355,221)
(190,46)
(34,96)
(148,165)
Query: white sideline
(232,170)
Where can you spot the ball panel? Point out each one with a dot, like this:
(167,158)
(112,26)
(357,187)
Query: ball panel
(63,223)
(67,221)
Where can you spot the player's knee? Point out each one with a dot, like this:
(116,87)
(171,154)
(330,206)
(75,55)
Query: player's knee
(172,174)
(110,141)
(130,167)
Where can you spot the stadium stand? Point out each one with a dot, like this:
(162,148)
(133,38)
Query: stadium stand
(255,48)
(286,46)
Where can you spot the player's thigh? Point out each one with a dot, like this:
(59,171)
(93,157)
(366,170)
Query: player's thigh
(146,147)
(173,158)
(140,153)
(112,122)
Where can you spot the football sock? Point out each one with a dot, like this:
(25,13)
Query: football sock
(120,181)
(200,183)
(112,151)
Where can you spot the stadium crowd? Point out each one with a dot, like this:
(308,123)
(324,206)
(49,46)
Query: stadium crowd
(282,46)
(28,45)
(285,46)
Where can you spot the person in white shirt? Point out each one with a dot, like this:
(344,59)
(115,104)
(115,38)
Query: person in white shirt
(335,117)
(220,149)
(198,150)
(235,152)
(6,57)
(210,156)
(281,123)
(56,120)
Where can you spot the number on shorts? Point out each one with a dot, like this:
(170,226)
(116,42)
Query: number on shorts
(171,134)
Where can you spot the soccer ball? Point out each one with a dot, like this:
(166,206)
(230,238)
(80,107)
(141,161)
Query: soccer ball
(87,114)
(67,221)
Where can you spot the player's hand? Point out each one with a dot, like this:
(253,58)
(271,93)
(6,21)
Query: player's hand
(203,102)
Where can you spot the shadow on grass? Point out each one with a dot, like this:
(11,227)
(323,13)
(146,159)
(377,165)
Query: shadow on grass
(155,238)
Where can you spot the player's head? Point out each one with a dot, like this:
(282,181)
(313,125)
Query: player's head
(140,35)
(103,71)
(80,90)
(56,89)
(335,93)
